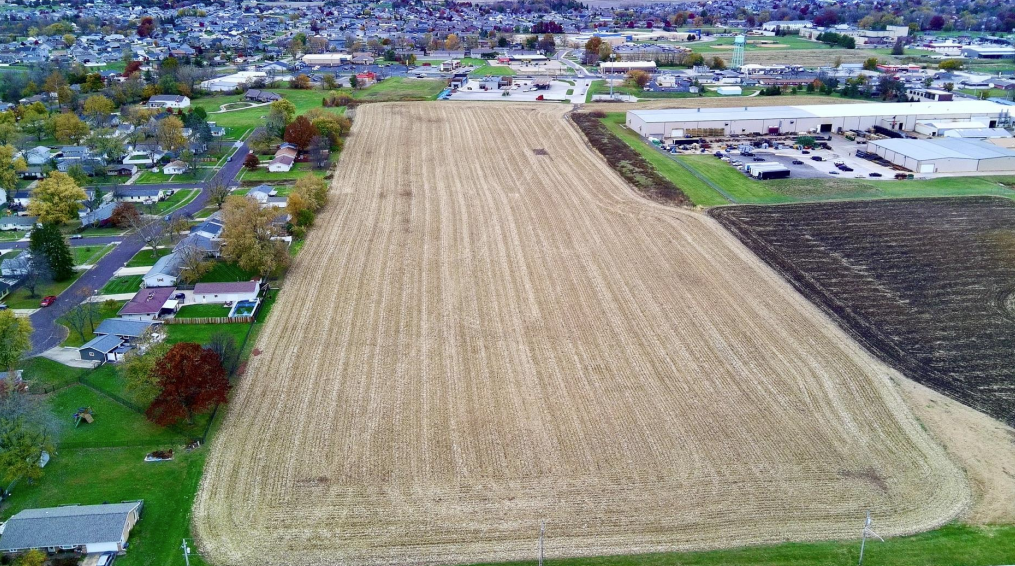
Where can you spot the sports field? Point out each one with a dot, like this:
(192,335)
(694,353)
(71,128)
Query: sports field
(489,328)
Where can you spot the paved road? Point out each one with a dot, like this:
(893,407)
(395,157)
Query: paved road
(48,332)
(580,72)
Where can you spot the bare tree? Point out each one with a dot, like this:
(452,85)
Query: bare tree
(84,315)
(218,192)
(151,229)
(193,263)
(37,272)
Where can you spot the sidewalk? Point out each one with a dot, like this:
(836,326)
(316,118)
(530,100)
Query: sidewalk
(113,297)
(124,271)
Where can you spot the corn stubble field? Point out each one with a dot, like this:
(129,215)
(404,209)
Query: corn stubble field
(488,328)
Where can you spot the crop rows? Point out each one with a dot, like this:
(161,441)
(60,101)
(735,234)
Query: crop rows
(928,284)
(489,328)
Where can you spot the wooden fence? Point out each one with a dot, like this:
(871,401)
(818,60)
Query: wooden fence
(211,320)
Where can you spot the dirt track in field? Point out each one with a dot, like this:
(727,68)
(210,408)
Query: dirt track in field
(479,335)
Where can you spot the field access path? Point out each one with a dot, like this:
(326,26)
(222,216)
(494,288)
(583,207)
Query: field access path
(487,328)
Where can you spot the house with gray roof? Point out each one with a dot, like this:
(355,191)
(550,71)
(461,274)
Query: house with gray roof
(84,528)
(125,329)
(165,271)
(101,349)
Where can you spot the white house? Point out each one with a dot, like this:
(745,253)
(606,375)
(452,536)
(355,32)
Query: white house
(164,273)
(226,292)
(86,528)
(175,168)
(17,222)
(168,101)
(281,164)
(16,266)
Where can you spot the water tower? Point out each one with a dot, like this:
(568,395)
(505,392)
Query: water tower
(738,51)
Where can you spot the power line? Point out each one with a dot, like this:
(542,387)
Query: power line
(867,531)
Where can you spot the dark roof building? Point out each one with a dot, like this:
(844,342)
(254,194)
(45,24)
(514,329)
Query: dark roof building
(88,528)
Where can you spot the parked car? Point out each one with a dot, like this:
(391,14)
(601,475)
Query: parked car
(833,172)
(874,174)
(759,158)
(797,162)
(3,306)
(76,237)
(105,559)
(804,151)
(47,301)
(816,158)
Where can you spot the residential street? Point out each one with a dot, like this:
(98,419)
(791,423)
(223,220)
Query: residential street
(48,332)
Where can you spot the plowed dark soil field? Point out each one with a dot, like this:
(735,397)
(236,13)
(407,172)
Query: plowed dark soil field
(928,284)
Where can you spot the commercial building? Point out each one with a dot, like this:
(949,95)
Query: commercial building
(818,118)
(232,82)
(327,59)
(988,52)
(945,155)
(625,66)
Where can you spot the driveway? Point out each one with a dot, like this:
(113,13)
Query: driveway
(67,357)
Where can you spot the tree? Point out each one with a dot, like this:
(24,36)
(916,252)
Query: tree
(68,128)
(15,339)
(191,379)
(218,192)
(717,63)
(81,318)
(452,43)
(69,39)
(870,64)
(249,237)
(950,65)
(56,199)
(106,146)
(98,108)
(949,87)
(9,168)
(313,189)
(936,22)
(193,263)
(805,141)
(329,82)
(151,229)
(138,367)
(638,78)
(592,50)
(169,134)
(224,344)
(300,82)
(34,557)
(48,243)
(330,125)
(317,152)
(147,27)
(300,132)
(124,215)
(35,121)
(23,434)
(281,113)
(251,162)
(898,49)
(353,81)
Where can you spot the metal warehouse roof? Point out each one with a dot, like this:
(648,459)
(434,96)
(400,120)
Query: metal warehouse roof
(948,148)
(957,107)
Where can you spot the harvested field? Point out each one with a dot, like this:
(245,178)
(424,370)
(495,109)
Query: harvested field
(929,284)
(478,336)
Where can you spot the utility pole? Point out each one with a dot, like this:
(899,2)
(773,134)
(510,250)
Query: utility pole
(542,531)
(613,63)
(186,552)
(867,530)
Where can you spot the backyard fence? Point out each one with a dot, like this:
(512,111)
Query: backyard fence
(211,320)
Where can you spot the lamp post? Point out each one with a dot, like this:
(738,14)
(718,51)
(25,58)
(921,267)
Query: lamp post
(613,63)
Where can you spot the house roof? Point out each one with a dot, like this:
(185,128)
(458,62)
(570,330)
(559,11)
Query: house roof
(120,327)
(148,301)
(66,526)
(232,287)
(105,344)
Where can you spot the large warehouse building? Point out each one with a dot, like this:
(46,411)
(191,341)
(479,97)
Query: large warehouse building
(947,155)
(770,120)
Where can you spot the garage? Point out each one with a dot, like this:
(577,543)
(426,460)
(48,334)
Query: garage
(945,155)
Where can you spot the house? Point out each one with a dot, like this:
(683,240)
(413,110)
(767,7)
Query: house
(102,349)
(226,292)
(216,130)
(97,217)
(16,267)
(150,304)
(164,273)
(168,101)
(449,65)
(211,247)
(126,330)
(86,528)
(257,95)
(37,155)
(261,193)
(175,168)
(131,194)
(121,170)
(8,223)
(281,164)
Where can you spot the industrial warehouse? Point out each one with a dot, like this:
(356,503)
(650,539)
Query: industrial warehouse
(820,118)
(944,155)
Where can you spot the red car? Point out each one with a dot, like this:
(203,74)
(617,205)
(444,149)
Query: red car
(47,301)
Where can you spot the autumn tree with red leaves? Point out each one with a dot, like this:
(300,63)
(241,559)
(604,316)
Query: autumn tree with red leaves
(147,27)
(191,380)
(300,133)
(251,162)
(131,68)
(124,215)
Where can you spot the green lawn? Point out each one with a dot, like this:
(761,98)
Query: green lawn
(401,88)
(148,257)
(11,235)
(201,333)
(192,176)
(722,45)
(20,299)
(202,311)
(89,255)
(115,424)
(179,199)
(43,374)
(239,121)
(261,174)
(224,272)
(125,284)
(951,545)
(107,309)
(745,190)
(493,71)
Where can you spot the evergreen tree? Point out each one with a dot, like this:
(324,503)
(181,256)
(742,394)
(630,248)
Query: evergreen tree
(48,242)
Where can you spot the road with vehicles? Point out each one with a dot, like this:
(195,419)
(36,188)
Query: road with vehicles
(48,332)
